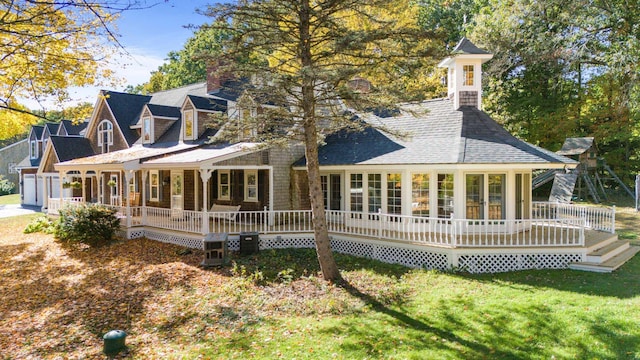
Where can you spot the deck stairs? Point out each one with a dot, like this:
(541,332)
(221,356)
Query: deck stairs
(605,253)
(543,178)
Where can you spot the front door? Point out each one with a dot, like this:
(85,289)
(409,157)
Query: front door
(176,190)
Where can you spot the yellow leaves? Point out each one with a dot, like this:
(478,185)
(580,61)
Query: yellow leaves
(13,123)
(47,47)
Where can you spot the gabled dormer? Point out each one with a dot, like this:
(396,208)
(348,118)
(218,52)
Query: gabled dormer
(464,74)
(69,128)
(48,130)
(35,141)
(155,120)
(246,112)
(195,115)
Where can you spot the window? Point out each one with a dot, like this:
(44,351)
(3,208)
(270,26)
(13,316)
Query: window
(188,125)
(356,192)
(420,195)
(394,194)
(375,193)
(12,168)
(445,195)
(247,119)
(224,185)
(146,130)
(33,150)
(467,71)
(251,185)
(154,185)
(105,135)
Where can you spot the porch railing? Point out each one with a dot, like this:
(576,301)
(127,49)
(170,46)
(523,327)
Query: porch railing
(55,204)
(551,225)
(596,218)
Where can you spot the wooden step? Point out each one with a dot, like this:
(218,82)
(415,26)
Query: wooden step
(608,251)
(609,265)
(595,240)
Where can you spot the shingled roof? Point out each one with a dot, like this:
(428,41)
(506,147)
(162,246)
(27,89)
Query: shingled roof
(465,46)
(126,108)
(207,103)
(71,147)
(71,129)
(435,134)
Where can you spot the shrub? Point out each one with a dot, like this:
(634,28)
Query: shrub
(40,224)
(6,186)
(90,224)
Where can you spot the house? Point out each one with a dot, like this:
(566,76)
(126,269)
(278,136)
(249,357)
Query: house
(455,191)
(35,187)
(10,157)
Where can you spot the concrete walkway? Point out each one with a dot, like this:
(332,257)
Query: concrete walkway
(17,210)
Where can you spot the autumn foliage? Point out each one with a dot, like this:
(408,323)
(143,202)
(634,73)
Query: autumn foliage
(90,224)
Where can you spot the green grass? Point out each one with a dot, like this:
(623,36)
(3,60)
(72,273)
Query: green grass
(10,199)
(273,305)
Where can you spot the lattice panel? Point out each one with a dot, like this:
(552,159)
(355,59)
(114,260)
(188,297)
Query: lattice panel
(136,234)
(492,263)
(412,257)
(352,248)
(281,242)
(185,241)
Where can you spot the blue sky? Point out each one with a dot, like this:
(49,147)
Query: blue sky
(148,35)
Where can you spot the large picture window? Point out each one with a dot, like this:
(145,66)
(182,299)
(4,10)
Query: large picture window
(445,195)
(356,192)
(420,195)
(394,194)
(224,185)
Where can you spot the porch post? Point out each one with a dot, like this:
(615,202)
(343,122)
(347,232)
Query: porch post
(99,186)
(83,177)
(271,196)
(205,175)
(127,178)
(145,174)
(45,192)
(62,175)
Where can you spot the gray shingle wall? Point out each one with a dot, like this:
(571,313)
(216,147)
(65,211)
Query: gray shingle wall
(13,153)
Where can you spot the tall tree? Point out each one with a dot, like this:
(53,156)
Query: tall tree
(305,53)
(48,46)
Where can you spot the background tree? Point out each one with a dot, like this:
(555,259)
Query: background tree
(48,46)
(304,54)
(185,66)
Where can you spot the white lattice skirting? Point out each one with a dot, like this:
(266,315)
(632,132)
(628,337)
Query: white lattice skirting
(408,255)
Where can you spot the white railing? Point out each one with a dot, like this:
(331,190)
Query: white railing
(173,219)
(596,218)
(551,226)
(55,204)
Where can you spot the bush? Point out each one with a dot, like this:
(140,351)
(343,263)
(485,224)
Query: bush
(6,186)
(91,224)
(40,224)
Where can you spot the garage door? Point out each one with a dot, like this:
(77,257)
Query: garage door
(29,189)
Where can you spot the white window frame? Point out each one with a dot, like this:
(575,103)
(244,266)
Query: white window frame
(194,131)
(152,185)
(147,120)
(465,74)
(247,188)
(33,149)
(221,185)
(102,130)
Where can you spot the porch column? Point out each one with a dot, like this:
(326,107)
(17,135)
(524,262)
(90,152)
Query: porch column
(406,184)
(62,175)
(100,187)
(145,175)
(83,177)
(128,175)
(205,175)
(271,220)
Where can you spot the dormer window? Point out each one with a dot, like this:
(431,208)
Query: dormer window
(468,73)
(189,125)
(247,128)
(33,149)
(147,136)
(105,135)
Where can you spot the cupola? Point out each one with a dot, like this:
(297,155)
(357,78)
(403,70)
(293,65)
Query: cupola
(464,78)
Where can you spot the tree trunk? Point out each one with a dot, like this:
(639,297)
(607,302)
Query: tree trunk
(328,264)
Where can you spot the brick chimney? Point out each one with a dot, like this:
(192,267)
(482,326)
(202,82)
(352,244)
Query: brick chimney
(217,75)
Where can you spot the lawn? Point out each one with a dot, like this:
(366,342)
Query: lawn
(58,301)
(10,199)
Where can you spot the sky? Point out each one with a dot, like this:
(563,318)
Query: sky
(148,35)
